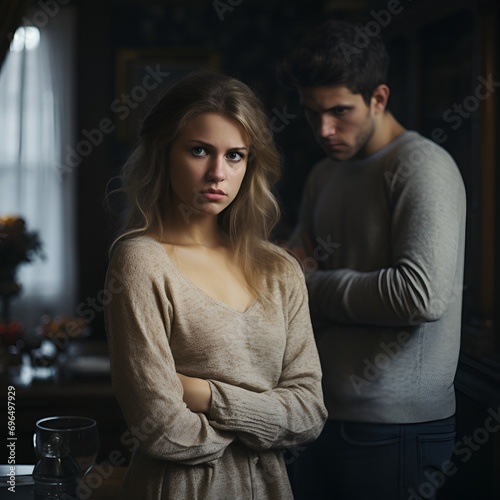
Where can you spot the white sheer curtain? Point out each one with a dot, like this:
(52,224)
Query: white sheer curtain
(36,124)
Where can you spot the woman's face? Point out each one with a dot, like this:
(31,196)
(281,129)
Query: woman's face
(208,161)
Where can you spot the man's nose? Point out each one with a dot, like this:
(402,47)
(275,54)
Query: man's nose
(327,126)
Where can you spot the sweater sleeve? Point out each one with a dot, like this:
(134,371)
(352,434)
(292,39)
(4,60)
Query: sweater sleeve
(144,376)
(428,221)
(293,412)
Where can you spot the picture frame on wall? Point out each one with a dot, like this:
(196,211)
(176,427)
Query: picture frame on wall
(141,76)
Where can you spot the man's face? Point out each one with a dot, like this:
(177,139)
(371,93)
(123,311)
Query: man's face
(341,121)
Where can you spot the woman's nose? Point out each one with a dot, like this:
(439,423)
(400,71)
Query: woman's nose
(216,170)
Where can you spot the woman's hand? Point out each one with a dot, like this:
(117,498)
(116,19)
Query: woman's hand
(197,393)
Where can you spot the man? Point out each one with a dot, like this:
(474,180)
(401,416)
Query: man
(381,235)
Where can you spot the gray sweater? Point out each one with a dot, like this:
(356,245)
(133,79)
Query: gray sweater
(263,370)
(385,280)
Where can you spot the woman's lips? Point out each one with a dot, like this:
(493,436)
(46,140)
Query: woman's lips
(213,194)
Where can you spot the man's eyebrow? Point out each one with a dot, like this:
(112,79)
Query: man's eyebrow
(346,106)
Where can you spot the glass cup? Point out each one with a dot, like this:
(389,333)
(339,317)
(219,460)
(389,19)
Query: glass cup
(79,433)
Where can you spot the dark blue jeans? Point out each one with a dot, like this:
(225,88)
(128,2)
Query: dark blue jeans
(357,461)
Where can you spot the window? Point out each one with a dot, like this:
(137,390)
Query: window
(36,111)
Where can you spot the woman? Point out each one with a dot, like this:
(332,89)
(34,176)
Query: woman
(213,358)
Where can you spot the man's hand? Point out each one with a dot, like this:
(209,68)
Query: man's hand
(197,394)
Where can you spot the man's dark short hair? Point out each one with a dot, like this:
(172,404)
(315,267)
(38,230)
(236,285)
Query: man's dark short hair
(337,53)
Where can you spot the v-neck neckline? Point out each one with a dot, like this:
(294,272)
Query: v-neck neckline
(190,283)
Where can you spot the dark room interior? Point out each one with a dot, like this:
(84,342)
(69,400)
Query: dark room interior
(116,56)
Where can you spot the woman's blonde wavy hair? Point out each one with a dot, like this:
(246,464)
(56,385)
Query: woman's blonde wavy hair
(249,219)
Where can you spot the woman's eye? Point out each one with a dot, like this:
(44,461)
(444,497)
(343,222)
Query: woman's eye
(198,151)
(234,156)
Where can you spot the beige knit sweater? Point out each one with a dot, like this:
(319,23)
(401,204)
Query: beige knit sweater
(263,371)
